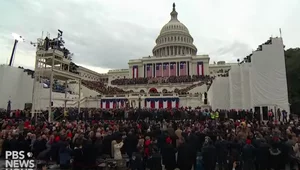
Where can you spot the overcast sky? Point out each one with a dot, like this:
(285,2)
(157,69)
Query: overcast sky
(105,34)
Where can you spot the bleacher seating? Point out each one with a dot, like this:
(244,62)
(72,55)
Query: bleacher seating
(161,80)
(102,88)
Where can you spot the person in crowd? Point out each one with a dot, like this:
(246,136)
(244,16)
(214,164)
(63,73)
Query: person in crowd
(248,155)
(185,156)
(222,152)
(154,162)
(234,141)
(168,155)
(209,154)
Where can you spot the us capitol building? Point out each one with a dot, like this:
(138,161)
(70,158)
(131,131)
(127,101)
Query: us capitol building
(173,55)
(174,76)
(175,70)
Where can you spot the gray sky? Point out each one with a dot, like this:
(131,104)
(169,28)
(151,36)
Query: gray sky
(105,34)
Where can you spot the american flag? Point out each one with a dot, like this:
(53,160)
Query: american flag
(158,70)
(200,68)
(172,69)
(166,70)
(182,71)
(149,70)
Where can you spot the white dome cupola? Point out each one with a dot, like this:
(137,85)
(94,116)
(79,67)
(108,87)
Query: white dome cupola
(174,39)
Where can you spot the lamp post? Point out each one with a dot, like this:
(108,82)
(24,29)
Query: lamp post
(17,39)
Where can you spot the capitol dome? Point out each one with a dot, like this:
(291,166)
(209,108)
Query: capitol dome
(174,39)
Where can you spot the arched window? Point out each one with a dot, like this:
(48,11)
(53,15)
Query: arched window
(165,91)
(142,91)
(176,90)
(153,90)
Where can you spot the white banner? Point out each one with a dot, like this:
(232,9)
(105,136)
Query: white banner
(173,104)
(165,104)
(156,104)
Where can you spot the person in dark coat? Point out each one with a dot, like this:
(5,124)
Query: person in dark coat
(13,143)
(90,154)
(169,159)
(154,163)
(78,157)
(276,155)
(234,152)
(65,156)
(185,159)
(248,155)
(39,146)
(136,162)
(107,144)
(209,155)
(262,155)
(130,144)
(222,152)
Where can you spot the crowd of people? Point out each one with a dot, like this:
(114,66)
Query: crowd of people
(103,88)
(155,138)
(162,80)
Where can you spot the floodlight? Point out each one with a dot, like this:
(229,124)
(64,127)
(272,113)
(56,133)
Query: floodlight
(17,38)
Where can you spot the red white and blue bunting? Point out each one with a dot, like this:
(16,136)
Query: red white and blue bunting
(135,72)
(200,69)
(113,103)
(162,103)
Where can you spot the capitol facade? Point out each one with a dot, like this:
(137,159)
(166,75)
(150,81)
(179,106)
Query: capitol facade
(174,76)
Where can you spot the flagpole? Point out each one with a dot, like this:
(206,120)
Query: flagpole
(280,33)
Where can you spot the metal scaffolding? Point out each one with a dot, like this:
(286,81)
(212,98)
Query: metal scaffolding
(52,63)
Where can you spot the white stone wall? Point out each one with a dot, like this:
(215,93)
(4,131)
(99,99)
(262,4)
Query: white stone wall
(17,86)
(190,102)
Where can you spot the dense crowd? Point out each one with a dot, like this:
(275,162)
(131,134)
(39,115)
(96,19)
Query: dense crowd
(105,89)
(102,88)
(144,138)
(156,80)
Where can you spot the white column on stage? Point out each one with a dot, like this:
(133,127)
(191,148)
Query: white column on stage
(111,104)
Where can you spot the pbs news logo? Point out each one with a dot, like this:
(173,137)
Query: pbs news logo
(16,160)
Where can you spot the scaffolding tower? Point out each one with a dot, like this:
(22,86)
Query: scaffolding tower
(53,62)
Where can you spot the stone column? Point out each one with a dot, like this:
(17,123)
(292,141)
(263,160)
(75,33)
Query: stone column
(177,68)
(144,70)
(153,70)
(190,67)
(187,67)
(169,69)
